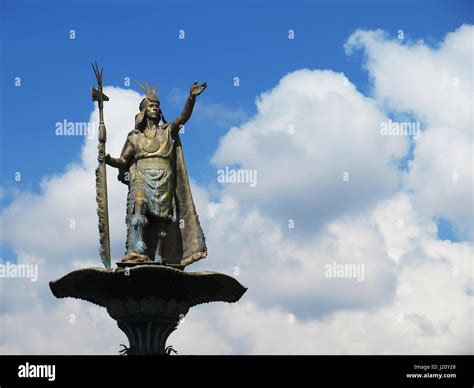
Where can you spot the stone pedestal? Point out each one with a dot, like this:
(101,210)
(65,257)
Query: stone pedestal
(147,301)
(147,322)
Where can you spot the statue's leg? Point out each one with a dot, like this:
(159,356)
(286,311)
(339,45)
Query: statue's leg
(139,221)
(161,236)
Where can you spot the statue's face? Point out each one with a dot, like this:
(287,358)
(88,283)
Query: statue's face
(152,110)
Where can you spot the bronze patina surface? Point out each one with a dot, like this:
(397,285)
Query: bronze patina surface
(162,223)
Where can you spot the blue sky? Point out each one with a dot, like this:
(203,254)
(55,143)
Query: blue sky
(405,214)
(140,40)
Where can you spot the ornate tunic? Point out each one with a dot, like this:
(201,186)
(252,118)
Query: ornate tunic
(151,174)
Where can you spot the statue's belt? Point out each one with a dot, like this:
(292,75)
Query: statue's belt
(155,163)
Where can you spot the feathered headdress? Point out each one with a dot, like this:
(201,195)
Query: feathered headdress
(150,96)
(150,93)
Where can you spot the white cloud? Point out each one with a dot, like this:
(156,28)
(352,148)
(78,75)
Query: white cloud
(66,207)
(301,173)
(429,313)
(417,291)
(435,86)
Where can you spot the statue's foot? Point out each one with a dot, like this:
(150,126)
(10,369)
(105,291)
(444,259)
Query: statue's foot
(159,260)
(134,257)
(140,247)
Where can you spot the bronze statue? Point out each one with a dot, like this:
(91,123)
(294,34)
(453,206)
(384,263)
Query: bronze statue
(146,299)
(162,223)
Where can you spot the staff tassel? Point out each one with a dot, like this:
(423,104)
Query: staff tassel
(101,173)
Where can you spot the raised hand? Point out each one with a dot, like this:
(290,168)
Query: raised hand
(196,89)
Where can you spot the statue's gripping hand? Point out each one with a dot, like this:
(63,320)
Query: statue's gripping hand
(125,158)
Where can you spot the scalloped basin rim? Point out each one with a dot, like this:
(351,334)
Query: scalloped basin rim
(100,285)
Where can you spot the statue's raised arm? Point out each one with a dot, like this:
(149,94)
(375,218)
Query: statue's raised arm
(195,91)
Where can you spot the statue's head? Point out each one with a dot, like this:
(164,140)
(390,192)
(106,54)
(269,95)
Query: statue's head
(152,109)
(149,107)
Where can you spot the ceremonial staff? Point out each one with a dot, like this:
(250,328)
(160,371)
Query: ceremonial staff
(101,173)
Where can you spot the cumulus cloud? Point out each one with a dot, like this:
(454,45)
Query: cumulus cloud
(435,87)
(428,313)
(65,208)
(278,237)
(316,145)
